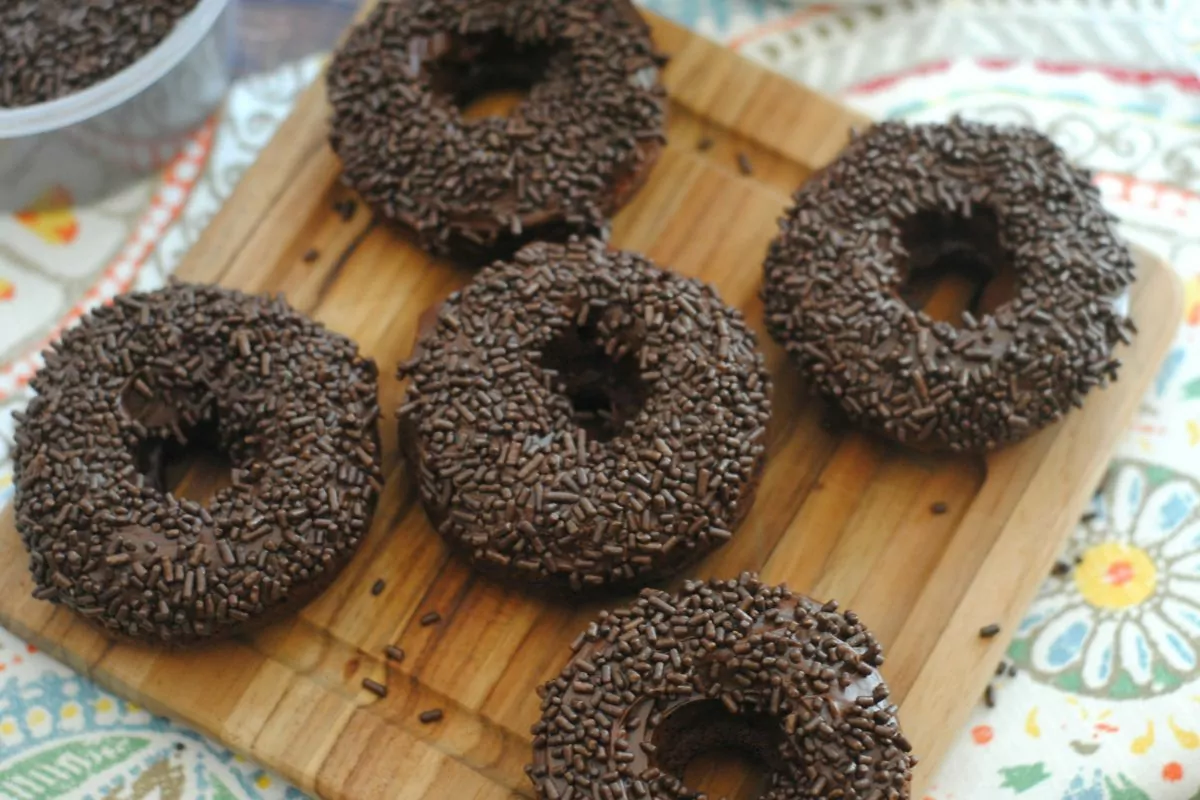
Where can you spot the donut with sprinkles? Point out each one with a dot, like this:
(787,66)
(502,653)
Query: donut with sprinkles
(563,161)
(904,203)
(121,399)
(721,665)
(579,418)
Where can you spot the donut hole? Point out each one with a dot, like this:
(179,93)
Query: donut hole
(719,754)
(599,376)
(488,74)
(196,468)
(956,263)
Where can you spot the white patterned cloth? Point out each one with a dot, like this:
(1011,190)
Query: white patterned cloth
(1105,703)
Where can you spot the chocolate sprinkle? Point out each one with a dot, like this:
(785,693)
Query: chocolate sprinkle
(720,665)
(744,164)
(292,405)
(53,48)
(652,464)
(378,587)
(431,618)
(311,255)
(564,160)
(834,275)
(345,209)
(989,631)
(705,144)
(989,696)
(939,508)
(431,716)
(394,653)
(374,687)
(1060,568)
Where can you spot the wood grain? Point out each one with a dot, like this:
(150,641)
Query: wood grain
(839,514)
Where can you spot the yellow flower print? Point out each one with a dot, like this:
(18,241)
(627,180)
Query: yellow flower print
(10,732)
(1116,575)
(70,717)
(39,721)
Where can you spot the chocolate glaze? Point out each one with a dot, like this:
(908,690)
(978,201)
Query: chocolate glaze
(722,664)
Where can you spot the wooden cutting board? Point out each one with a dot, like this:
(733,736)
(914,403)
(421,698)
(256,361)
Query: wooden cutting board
(839,515)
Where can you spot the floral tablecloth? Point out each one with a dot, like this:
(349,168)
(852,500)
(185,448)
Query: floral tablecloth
(1105,702)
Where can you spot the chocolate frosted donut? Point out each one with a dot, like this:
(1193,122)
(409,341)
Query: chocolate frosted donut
(566,158)
(722,665)
(906,203)
(292,405)
(580,418)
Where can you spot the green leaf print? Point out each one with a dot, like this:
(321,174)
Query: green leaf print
(1191,390)
(1123,687)
(55,772)
(1070,682)
(221,791)
(1126,791)
(1018,651)
(1165,680)
(1023,777)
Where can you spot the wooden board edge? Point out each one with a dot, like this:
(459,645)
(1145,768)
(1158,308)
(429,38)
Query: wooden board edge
(1019,561)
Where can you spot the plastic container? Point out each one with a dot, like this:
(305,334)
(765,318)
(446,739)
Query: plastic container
(95,141)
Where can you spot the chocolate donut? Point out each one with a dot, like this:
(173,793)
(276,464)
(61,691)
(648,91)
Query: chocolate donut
(293,407)
(906,203)
(580,418)
(721,665)
(569,155)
